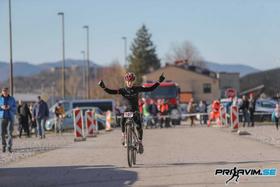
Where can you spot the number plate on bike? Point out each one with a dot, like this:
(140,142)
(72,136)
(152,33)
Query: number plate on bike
(128,114)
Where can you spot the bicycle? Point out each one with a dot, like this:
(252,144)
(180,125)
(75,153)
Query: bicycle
(132,140)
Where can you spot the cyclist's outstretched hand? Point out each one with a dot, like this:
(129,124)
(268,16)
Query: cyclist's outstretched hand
(101,84)
(161,78)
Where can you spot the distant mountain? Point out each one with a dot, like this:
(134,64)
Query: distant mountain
(242,69)
(27,69)
(269,78)
(20,69)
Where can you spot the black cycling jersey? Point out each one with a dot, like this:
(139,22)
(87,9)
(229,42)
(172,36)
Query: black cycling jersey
(130,95)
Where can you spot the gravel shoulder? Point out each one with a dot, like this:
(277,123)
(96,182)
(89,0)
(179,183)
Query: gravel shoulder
(26,147)
(263,133)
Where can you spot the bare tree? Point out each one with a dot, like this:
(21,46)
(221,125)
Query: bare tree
(185,52)
(73,82)
(73,85)
(113,78)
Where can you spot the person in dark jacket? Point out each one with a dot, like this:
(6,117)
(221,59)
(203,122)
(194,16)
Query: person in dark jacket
(7,112)
(33,122)
(154,112)
(252,107)
(24,116)
(245,110)
(41,114)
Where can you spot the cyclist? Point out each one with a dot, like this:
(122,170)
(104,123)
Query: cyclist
(130,94)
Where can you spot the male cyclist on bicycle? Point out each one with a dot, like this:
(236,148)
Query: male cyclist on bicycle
(130,94)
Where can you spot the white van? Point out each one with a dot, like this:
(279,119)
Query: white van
(103,104)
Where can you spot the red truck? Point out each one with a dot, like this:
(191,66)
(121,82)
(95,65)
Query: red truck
(170,92)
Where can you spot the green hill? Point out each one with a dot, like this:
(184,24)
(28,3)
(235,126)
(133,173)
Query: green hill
(270,79)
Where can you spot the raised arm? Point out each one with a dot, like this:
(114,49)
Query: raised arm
(149,89)
(107,90)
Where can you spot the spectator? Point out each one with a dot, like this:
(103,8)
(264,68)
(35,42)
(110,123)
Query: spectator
(252,106)
(245,110)
(153,111)
(24,115)
(59,116)
(33,122)
(146,113)
(7,112)
(118,115)
(191,110)
(159,101)
(202,109)
(164,112)
(277,115)
(41,114)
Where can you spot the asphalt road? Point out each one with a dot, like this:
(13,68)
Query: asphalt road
(180,156)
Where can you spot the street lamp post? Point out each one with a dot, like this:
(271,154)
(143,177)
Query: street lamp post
(88,67)
(125,52)
(84,73)
(63,55)
(11,50)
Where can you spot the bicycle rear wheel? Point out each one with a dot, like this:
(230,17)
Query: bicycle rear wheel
(129,147)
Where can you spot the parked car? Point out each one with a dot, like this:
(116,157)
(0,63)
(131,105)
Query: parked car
(102,104)
(265,105)
(264,109)
(68,122)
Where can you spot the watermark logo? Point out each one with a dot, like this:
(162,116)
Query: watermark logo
(235,173)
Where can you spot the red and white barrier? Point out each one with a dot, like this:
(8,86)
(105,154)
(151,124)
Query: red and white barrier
(234,118)
(78,125)
(95,124)
(223,115)
(108,121)
(90,125)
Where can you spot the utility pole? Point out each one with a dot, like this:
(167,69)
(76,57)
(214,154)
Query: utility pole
(88,66)
(63,55)
(125,52)
(11,50)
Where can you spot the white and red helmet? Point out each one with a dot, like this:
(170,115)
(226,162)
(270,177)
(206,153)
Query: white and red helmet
(129,76)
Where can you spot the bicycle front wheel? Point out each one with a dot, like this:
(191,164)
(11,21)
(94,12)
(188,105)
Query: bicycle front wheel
(134,151)
(129,147)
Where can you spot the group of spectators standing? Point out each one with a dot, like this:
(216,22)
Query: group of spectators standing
(159,111)
(248,107)
(155,112)
(35,115)
(200,108)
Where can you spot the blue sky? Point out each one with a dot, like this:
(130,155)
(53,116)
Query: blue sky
(224,31)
